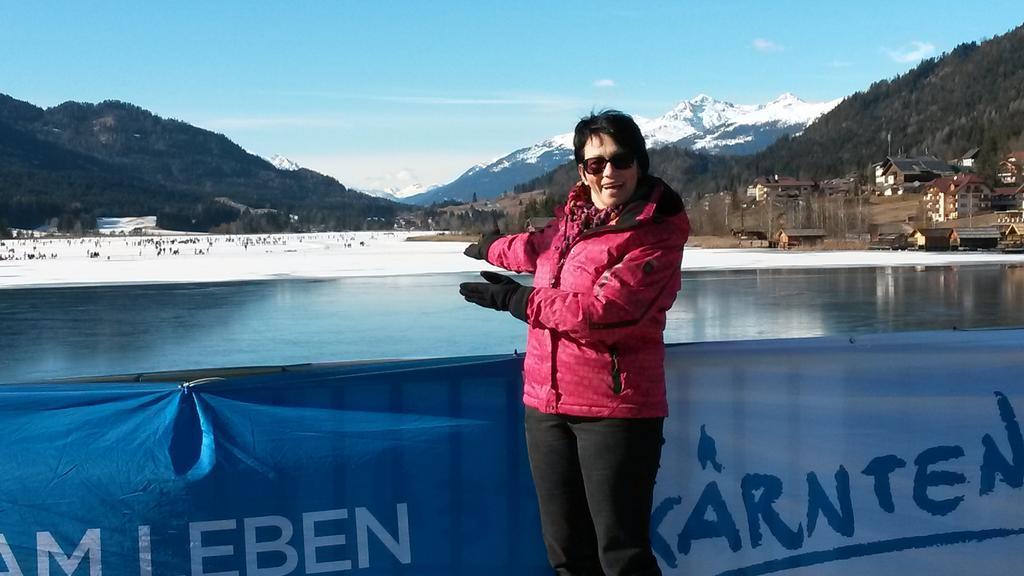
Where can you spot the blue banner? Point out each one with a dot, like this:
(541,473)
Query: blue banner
(892,453)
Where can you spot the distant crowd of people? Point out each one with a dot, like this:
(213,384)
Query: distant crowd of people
(51,248)
(7,253)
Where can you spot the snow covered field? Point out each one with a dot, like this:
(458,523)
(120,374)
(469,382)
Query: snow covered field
(147,260)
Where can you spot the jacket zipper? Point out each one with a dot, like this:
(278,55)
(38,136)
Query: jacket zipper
(616,374)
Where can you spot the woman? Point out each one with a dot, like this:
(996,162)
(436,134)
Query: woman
(605,273)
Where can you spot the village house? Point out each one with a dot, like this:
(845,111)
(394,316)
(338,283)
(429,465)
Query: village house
(1008,198)
(900,174)
(839,186)
(973,195)
(960,196)
(967,162)
(1011,170)
(779,187)
(800,238)
(939,200)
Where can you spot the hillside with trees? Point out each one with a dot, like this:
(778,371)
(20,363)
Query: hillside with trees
(71,163)
(970,97)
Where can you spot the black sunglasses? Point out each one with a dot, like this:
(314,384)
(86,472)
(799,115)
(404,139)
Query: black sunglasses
(620,161)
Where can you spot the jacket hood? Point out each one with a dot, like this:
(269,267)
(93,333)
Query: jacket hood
(653,200)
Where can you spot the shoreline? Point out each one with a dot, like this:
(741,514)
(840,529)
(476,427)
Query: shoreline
(130,260)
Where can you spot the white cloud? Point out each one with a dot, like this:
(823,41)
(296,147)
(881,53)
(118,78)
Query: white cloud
(916,51)
(763,45)
(404,178)
(269,122)
(839,64)
(405,175)
(605,83)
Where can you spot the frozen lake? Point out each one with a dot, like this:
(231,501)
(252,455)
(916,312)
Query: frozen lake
(75,331)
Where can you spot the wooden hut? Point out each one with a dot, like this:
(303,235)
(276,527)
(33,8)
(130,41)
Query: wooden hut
(800,238)
(937,239)
(749,234)
(981,238)
(1013,238)
(892,236)
(892,241)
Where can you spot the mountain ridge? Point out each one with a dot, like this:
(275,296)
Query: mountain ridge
(396,194)
(701,123)
(75,161)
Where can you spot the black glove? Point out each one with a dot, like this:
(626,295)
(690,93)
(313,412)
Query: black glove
(479,249)
(499,292)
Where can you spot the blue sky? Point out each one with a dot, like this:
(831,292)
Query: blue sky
(385,93)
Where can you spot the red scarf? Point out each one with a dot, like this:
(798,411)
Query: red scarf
(581,215)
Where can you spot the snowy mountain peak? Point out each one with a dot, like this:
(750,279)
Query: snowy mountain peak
(701,99)
(701,123)
(696,115)
(412,190)
(694,106)
(282,163)
(788,97)
(790,109)
(533,154)
(399,194)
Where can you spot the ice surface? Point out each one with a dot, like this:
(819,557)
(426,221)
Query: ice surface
(209,258)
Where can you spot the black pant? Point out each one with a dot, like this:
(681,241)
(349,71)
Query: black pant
(595,485)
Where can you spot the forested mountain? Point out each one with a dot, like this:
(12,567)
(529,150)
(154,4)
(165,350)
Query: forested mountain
(970,97)
(76,161)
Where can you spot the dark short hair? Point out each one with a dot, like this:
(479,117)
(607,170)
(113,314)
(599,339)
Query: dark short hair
(620,127)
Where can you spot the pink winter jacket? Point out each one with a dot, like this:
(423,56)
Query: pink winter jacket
(596,320)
